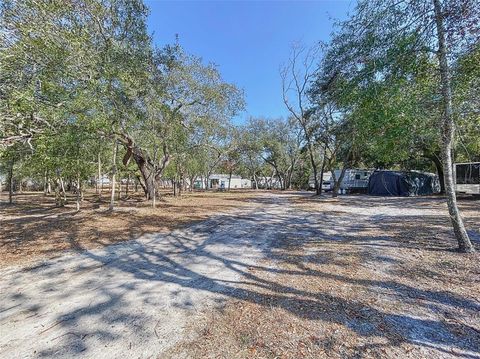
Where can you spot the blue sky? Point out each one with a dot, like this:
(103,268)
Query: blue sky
(248,40)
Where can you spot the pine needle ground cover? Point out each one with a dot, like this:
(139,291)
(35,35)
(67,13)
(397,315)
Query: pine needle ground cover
(33,228)
(356,277)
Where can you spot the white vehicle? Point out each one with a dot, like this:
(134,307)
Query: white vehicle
(327,182)
(467,177)
(327,177)
(353,180)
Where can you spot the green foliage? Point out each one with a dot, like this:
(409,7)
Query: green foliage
(380,71)
(77,76)
(269,146)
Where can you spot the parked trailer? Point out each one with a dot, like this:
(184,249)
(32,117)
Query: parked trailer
(327,177)
(354,180)
(467,177)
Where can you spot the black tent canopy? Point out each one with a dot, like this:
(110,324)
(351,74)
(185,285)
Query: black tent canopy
(402,183)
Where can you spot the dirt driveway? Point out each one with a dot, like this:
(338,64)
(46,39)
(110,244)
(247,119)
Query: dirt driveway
(131,299)
(290,278)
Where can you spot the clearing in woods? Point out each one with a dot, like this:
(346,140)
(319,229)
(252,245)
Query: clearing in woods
(284,275)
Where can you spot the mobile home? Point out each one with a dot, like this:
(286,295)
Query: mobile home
(222,181)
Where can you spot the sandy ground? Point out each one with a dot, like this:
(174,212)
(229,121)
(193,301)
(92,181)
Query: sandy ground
(33,228)
(286,277)
(131,299)
(357,277)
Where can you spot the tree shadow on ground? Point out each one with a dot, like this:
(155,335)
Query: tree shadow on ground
(34,228)
(174,260)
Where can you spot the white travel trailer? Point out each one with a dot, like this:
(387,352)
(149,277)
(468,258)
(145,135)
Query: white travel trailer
(354,180)
(467,177)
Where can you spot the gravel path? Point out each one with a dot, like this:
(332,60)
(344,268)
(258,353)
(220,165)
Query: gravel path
(132,299)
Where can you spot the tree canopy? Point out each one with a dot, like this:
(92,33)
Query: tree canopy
(85,92)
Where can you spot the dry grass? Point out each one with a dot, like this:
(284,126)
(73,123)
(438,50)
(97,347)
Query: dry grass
(33,228)
(366,286)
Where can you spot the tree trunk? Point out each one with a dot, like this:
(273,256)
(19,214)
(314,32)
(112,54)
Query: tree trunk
(10,182)
(322,170)
(439,167)
(99,177)
(149,168)
(45,183)
(140,182)
(119,195)
(128,184)
(280,179)
(206,182)
(448,132)
(154,198)
(64,193)
(229,181)
(192,183)
(289,178)
(59,199)
(81,191)
(314,166)
(78,194)
(114,171)
(148,175)
(315,179)
(338,182)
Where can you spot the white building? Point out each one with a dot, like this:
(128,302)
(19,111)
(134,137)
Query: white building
(222,181)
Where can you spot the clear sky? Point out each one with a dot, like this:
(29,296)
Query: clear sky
(248,40)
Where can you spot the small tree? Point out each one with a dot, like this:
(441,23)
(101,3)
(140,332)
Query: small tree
(296,76)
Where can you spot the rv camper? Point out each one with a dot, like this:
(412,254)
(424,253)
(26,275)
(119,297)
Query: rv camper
(354,180)
(467,177)
(327,178)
